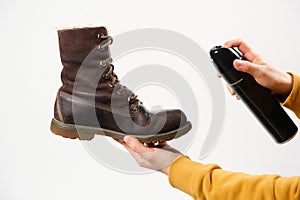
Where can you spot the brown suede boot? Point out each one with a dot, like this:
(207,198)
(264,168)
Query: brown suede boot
(92,102)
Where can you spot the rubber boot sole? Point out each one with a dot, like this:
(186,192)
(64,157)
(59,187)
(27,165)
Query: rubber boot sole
(87,132)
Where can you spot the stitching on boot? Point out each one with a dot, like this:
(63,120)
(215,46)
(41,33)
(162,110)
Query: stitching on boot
(97,105)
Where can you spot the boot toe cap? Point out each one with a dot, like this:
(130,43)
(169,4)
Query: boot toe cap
(175,119)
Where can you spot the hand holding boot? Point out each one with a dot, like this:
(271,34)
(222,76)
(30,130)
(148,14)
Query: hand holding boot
(158,158)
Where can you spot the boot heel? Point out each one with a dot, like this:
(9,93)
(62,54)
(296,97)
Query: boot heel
(69,131)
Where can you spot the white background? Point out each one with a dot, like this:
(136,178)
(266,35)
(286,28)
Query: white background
(35,164)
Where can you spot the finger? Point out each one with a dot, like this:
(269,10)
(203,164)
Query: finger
(161,145)
(248,67)
(231,91)
(134,154)
(234,43)
(135,146)
(219,75)
(237,97)
(150,145)
(156,144)
(247,52)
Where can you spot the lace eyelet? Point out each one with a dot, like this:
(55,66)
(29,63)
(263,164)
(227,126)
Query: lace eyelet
(101,48)
(105,77)
(111,40)
(120,92)
(108,40)
(103,63)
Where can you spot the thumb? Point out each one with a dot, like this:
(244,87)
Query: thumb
(134,145)
(248,67)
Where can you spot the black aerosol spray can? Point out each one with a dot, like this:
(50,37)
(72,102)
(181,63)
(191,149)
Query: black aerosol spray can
(258,99)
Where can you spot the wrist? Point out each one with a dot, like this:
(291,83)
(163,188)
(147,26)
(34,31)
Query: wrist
(285,85)
(165,170)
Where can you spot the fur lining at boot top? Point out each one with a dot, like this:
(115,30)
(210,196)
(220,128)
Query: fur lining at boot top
(60,28)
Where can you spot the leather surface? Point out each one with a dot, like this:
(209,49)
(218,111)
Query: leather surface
(88,98)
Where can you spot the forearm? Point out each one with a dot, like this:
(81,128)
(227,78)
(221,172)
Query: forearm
(211,182)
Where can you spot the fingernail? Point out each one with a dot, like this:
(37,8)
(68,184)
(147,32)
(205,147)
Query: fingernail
(238,63)
(128,140)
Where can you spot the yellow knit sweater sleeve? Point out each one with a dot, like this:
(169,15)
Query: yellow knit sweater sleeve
(293,100)
(210,182)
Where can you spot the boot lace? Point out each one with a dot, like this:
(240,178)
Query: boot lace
(134,102)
